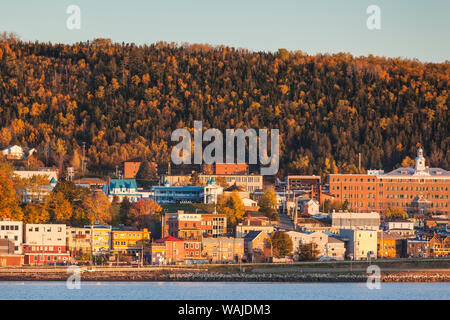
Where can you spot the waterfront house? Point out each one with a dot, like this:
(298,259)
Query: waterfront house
(223,249)
(12,230)
(45,244)
(257,246)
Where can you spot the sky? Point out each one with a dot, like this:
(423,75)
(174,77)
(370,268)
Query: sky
(409,28)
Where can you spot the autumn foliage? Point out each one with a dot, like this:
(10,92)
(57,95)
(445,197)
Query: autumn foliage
(124,101)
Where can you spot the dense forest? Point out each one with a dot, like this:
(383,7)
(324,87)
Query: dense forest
(123,101)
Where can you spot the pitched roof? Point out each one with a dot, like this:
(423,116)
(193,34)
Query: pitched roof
(334,240)
(435,172)
(169,238)
(122,184)
(252,235)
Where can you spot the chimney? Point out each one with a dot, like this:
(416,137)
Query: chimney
(359,162)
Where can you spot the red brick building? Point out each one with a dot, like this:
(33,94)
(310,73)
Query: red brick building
(417,189)
(226,168)
(130,169)
(192,249)
(45,255)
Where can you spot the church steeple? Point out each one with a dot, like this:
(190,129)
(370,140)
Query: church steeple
(420,160)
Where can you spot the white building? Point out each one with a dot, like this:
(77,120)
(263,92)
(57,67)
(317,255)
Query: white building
(243,228)
(335,249)
(32,192)
(355,220)
(300,238)
(360,244)
(45,234)
(13,152)
(308,206)
(212,191)
(12,230)
(404,227)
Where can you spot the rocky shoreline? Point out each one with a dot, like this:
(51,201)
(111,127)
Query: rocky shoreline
(229,277)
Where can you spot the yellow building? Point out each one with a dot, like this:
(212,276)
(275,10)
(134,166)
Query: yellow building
(129,241)
(78,241)
(100,239)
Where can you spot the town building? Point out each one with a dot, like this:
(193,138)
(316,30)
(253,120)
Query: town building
(223,249)
(131,168)
(418,248)
(308,206)
(257,246)
(193,250)
(129,242)
(79,241)
(360,244)
(402,227)
(93,184)
(226,168)
(355,220)
(187,194)
(12,230)
(192,226)
(309,185)
(17,153)
(439,245)
(334,249)
(100,239)
(391,245)
(8,257)
(254,223)
(311,225)
(417,190)
(45,244)
(38,190)
(168,250)
(249,183)
(320,239)
(121,188)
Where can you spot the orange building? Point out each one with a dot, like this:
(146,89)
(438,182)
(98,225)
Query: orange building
(417,189)
(130,169)
(226,168)
(168,250)
(440,246)
(390,245)
(193,249)
(192,226)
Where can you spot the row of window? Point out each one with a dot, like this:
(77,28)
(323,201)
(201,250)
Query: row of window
(10,227)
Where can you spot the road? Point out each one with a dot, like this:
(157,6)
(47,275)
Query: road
(286,224)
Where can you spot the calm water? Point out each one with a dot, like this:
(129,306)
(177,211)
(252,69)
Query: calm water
(220,290)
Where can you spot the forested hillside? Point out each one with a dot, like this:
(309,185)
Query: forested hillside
(124,100)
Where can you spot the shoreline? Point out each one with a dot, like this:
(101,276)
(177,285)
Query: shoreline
(170,276)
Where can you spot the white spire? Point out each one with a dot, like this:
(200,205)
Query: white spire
(420,160)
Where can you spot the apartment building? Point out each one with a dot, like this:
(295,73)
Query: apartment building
(223,249)
(191,226)
(249,183)
(12,230)
(45,244)
(254,223)
(417,189)
(355,220)
(360,244)
(130,242)
(79,241)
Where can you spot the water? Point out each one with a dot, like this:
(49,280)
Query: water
(57,290)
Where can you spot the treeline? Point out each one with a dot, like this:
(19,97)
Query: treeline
(124,101)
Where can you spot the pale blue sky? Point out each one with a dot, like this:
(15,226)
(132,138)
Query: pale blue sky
(409,28)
